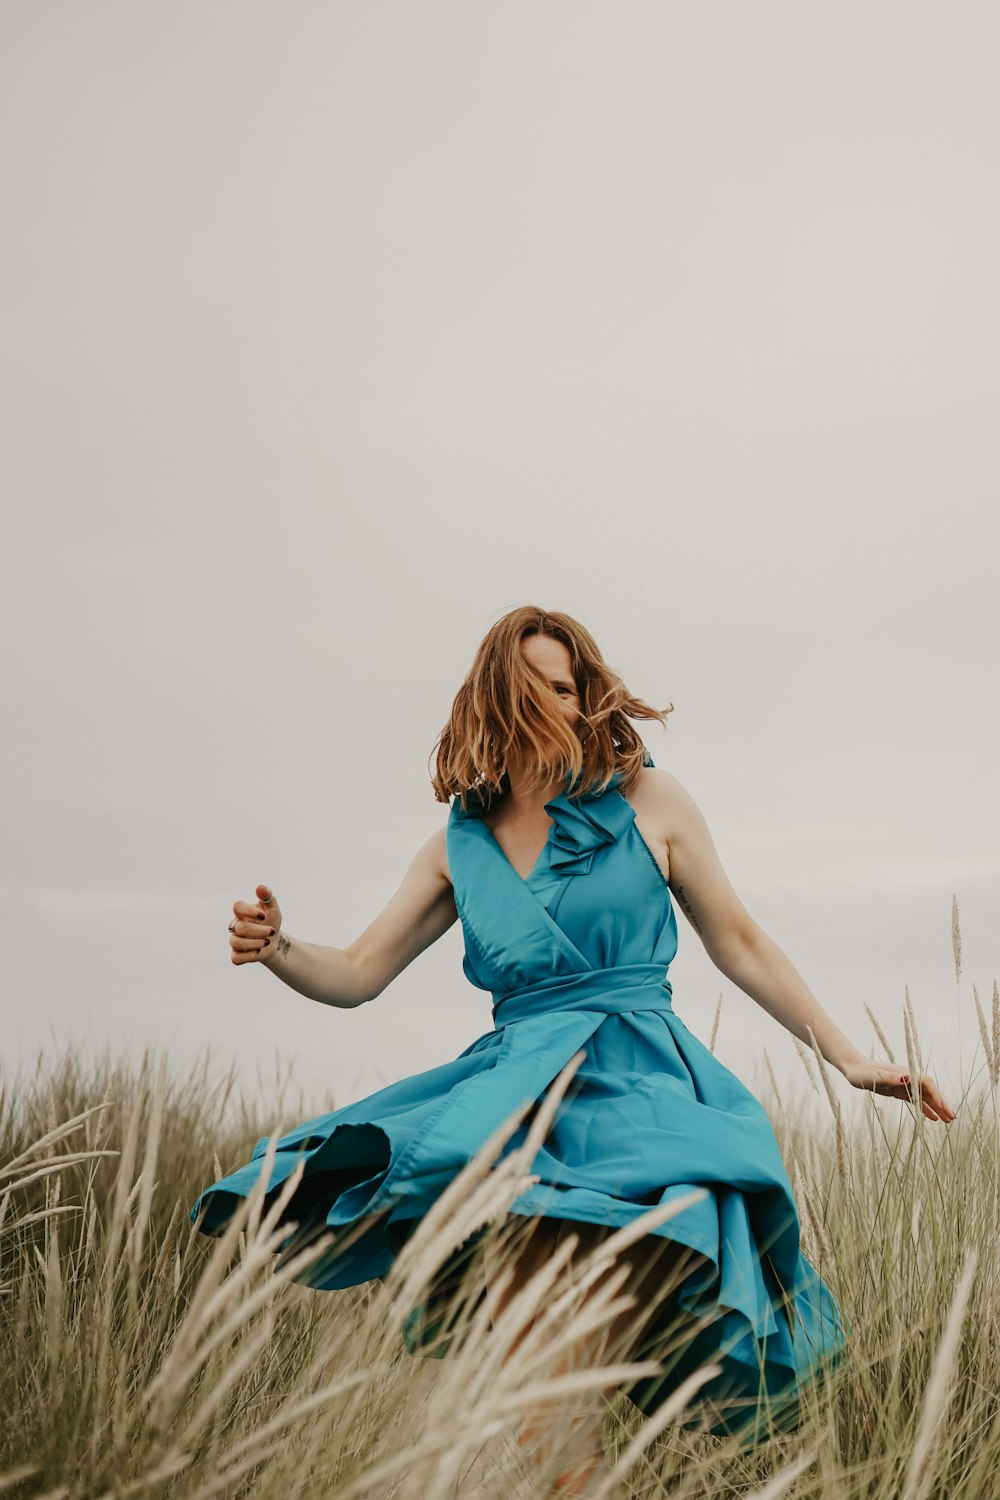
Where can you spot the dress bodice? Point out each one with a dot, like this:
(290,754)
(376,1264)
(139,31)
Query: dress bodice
(595,901)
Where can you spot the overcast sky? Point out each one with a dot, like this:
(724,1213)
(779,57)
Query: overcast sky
(329,332)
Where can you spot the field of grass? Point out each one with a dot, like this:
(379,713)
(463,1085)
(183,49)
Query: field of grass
(141,1358)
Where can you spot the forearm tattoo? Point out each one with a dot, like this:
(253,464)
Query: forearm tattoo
(283,945)
(686,908)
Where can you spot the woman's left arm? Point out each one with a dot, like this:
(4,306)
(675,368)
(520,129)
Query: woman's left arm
(765,973)
(742,950)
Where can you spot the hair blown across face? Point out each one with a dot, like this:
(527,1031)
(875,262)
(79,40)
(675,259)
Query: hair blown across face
(505,704)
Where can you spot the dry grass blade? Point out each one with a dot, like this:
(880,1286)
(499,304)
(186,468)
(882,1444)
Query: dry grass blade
(252,1346)
(211,1291)
(805,1058)
(816,1225)
(547,1108)
(519,1317)
(38,1215)
(883,1039)
(226,1480)
(124,1186)
(137,1240)
(54,1165)
(57,1133)
(956,937)
(168,1469)
(664,1416)
(480,1193)
(15,1476)
(775,1086)
(457,1194)
(715,1023)
(370,1483)
(644,1224)
(834,1102)
(544,1317)
(243,1307)
(191,1351)
(914,1060)
(293,1409)
(507,1406)
(570,1318)
(937,1396)
(780,1483)
(984,1035)
(54,1301)
(576,1382)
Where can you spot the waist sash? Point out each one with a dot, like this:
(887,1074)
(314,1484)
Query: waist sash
(628,987)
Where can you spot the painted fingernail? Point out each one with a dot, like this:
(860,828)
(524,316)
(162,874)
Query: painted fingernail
(271,931)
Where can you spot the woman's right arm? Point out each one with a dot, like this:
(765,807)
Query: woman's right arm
(418,913)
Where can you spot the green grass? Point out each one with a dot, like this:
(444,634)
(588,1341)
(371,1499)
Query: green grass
(143,1359)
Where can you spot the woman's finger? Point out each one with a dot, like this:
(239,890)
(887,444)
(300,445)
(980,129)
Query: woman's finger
(925,1092)
(934,1099)
(248,945)
(249,932)
(247,929)
(922,1091)
(248,909)
(247,958)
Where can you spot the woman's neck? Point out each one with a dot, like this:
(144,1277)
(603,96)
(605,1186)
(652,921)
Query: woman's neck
(528,799)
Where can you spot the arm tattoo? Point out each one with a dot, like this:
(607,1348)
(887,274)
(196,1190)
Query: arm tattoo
(284,944)
(686,906)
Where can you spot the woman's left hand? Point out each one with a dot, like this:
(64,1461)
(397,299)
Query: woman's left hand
(882,1079)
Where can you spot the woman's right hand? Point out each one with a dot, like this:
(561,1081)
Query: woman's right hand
(254,927)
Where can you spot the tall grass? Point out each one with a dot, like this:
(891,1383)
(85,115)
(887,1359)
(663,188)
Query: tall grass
(142,1359)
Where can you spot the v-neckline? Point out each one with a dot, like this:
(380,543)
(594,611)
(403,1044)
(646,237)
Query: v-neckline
(541,853)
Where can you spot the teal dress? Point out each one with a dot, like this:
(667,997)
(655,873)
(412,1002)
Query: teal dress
(576,958)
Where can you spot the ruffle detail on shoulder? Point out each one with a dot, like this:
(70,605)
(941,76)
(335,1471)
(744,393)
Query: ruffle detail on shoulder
(582,826)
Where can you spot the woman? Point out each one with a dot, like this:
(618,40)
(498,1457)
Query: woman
(561,853)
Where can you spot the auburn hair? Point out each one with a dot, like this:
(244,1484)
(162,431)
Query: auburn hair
(506,703)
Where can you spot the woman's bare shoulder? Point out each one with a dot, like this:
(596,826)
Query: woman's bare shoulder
(662,801)
(656,788)
(433,854)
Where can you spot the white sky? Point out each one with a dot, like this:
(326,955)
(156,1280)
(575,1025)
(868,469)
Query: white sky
(330,332)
